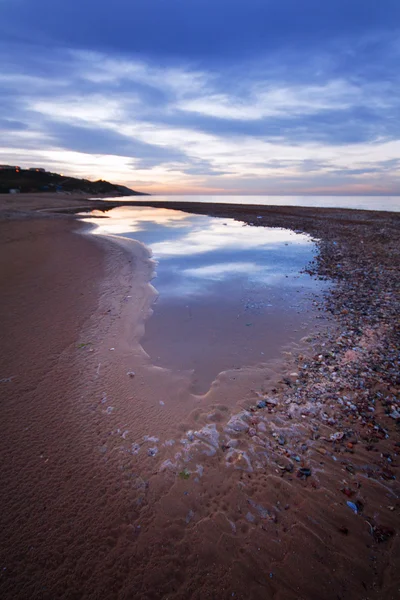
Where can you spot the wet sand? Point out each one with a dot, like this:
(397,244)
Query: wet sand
(20,204)
(51,477)
(209,504)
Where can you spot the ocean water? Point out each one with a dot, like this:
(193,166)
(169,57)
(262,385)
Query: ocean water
(387,203)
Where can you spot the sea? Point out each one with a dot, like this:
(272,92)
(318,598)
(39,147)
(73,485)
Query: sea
(385,203)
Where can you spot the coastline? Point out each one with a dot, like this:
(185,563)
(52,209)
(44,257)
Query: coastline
(365,307)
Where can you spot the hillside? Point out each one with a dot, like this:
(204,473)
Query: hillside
(26,180)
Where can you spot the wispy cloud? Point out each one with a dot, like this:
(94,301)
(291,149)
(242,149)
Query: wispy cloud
(277,121)
(275,100)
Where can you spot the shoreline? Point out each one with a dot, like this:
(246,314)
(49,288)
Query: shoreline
(69,203)
(361,254)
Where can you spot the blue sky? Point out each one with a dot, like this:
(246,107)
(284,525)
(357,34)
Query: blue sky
(221,96)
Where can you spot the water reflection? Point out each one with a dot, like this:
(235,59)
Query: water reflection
(230,294)
(124,220)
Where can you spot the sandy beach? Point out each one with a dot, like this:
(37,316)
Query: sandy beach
(117,481)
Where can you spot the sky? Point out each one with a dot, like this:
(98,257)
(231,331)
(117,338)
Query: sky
(205,96)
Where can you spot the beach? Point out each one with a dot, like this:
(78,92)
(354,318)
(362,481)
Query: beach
(117,481)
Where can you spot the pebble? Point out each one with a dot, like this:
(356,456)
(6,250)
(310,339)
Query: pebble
(339,435)
(189,516)
(352,506)
(304,472)
(250,517)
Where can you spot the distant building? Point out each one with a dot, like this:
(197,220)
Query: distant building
(9,168)
(38,170)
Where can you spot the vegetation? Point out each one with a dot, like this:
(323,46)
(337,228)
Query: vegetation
(38,181)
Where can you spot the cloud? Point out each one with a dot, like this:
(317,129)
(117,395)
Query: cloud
(276,100)
(322,115)
(97,140)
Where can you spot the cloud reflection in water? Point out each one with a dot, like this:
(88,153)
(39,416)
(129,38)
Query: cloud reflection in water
(230,294)
(194,252)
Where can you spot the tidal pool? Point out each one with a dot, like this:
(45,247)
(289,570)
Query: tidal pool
(230,295)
